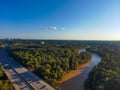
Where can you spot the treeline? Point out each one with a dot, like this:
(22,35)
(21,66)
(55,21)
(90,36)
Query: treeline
(4,82)
(106,75)
(2,43)
(49,59)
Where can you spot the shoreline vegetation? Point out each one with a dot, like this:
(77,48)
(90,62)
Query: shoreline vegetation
(108,70)
(72,73)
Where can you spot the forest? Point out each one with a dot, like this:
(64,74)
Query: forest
(105,75)
(50,60)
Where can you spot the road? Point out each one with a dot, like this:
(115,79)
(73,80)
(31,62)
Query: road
(31,79)
(17,81)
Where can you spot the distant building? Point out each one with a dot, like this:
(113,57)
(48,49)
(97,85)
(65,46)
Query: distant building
(88,46)
(43,42)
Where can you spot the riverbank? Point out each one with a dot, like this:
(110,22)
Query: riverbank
(77,82)
(74,73)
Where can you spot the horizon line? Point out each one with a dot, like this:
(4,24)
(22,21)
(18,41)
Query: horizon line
(56,39)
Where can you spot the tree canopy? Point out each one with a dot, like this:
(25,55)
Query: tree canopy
(50,60)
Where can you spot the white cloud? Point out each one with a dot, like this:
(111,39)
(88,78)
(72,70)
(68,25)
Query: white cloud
(62,28)
(50,28)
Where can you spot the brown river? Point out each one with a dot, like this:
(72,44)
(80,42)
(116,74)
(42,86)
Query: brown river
(77,82)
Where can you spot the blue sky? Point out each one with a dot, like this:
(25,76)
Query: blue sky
(60,19)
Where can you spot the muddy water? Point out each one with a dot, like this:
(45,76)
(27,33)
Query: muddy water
(77,82)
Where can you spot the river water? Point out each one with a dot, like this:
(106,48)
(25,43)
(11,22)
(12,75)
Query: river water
(77,82)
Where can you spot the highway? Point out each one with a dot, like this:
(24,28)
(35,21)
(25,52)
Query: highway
(17,81)
(23,78)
